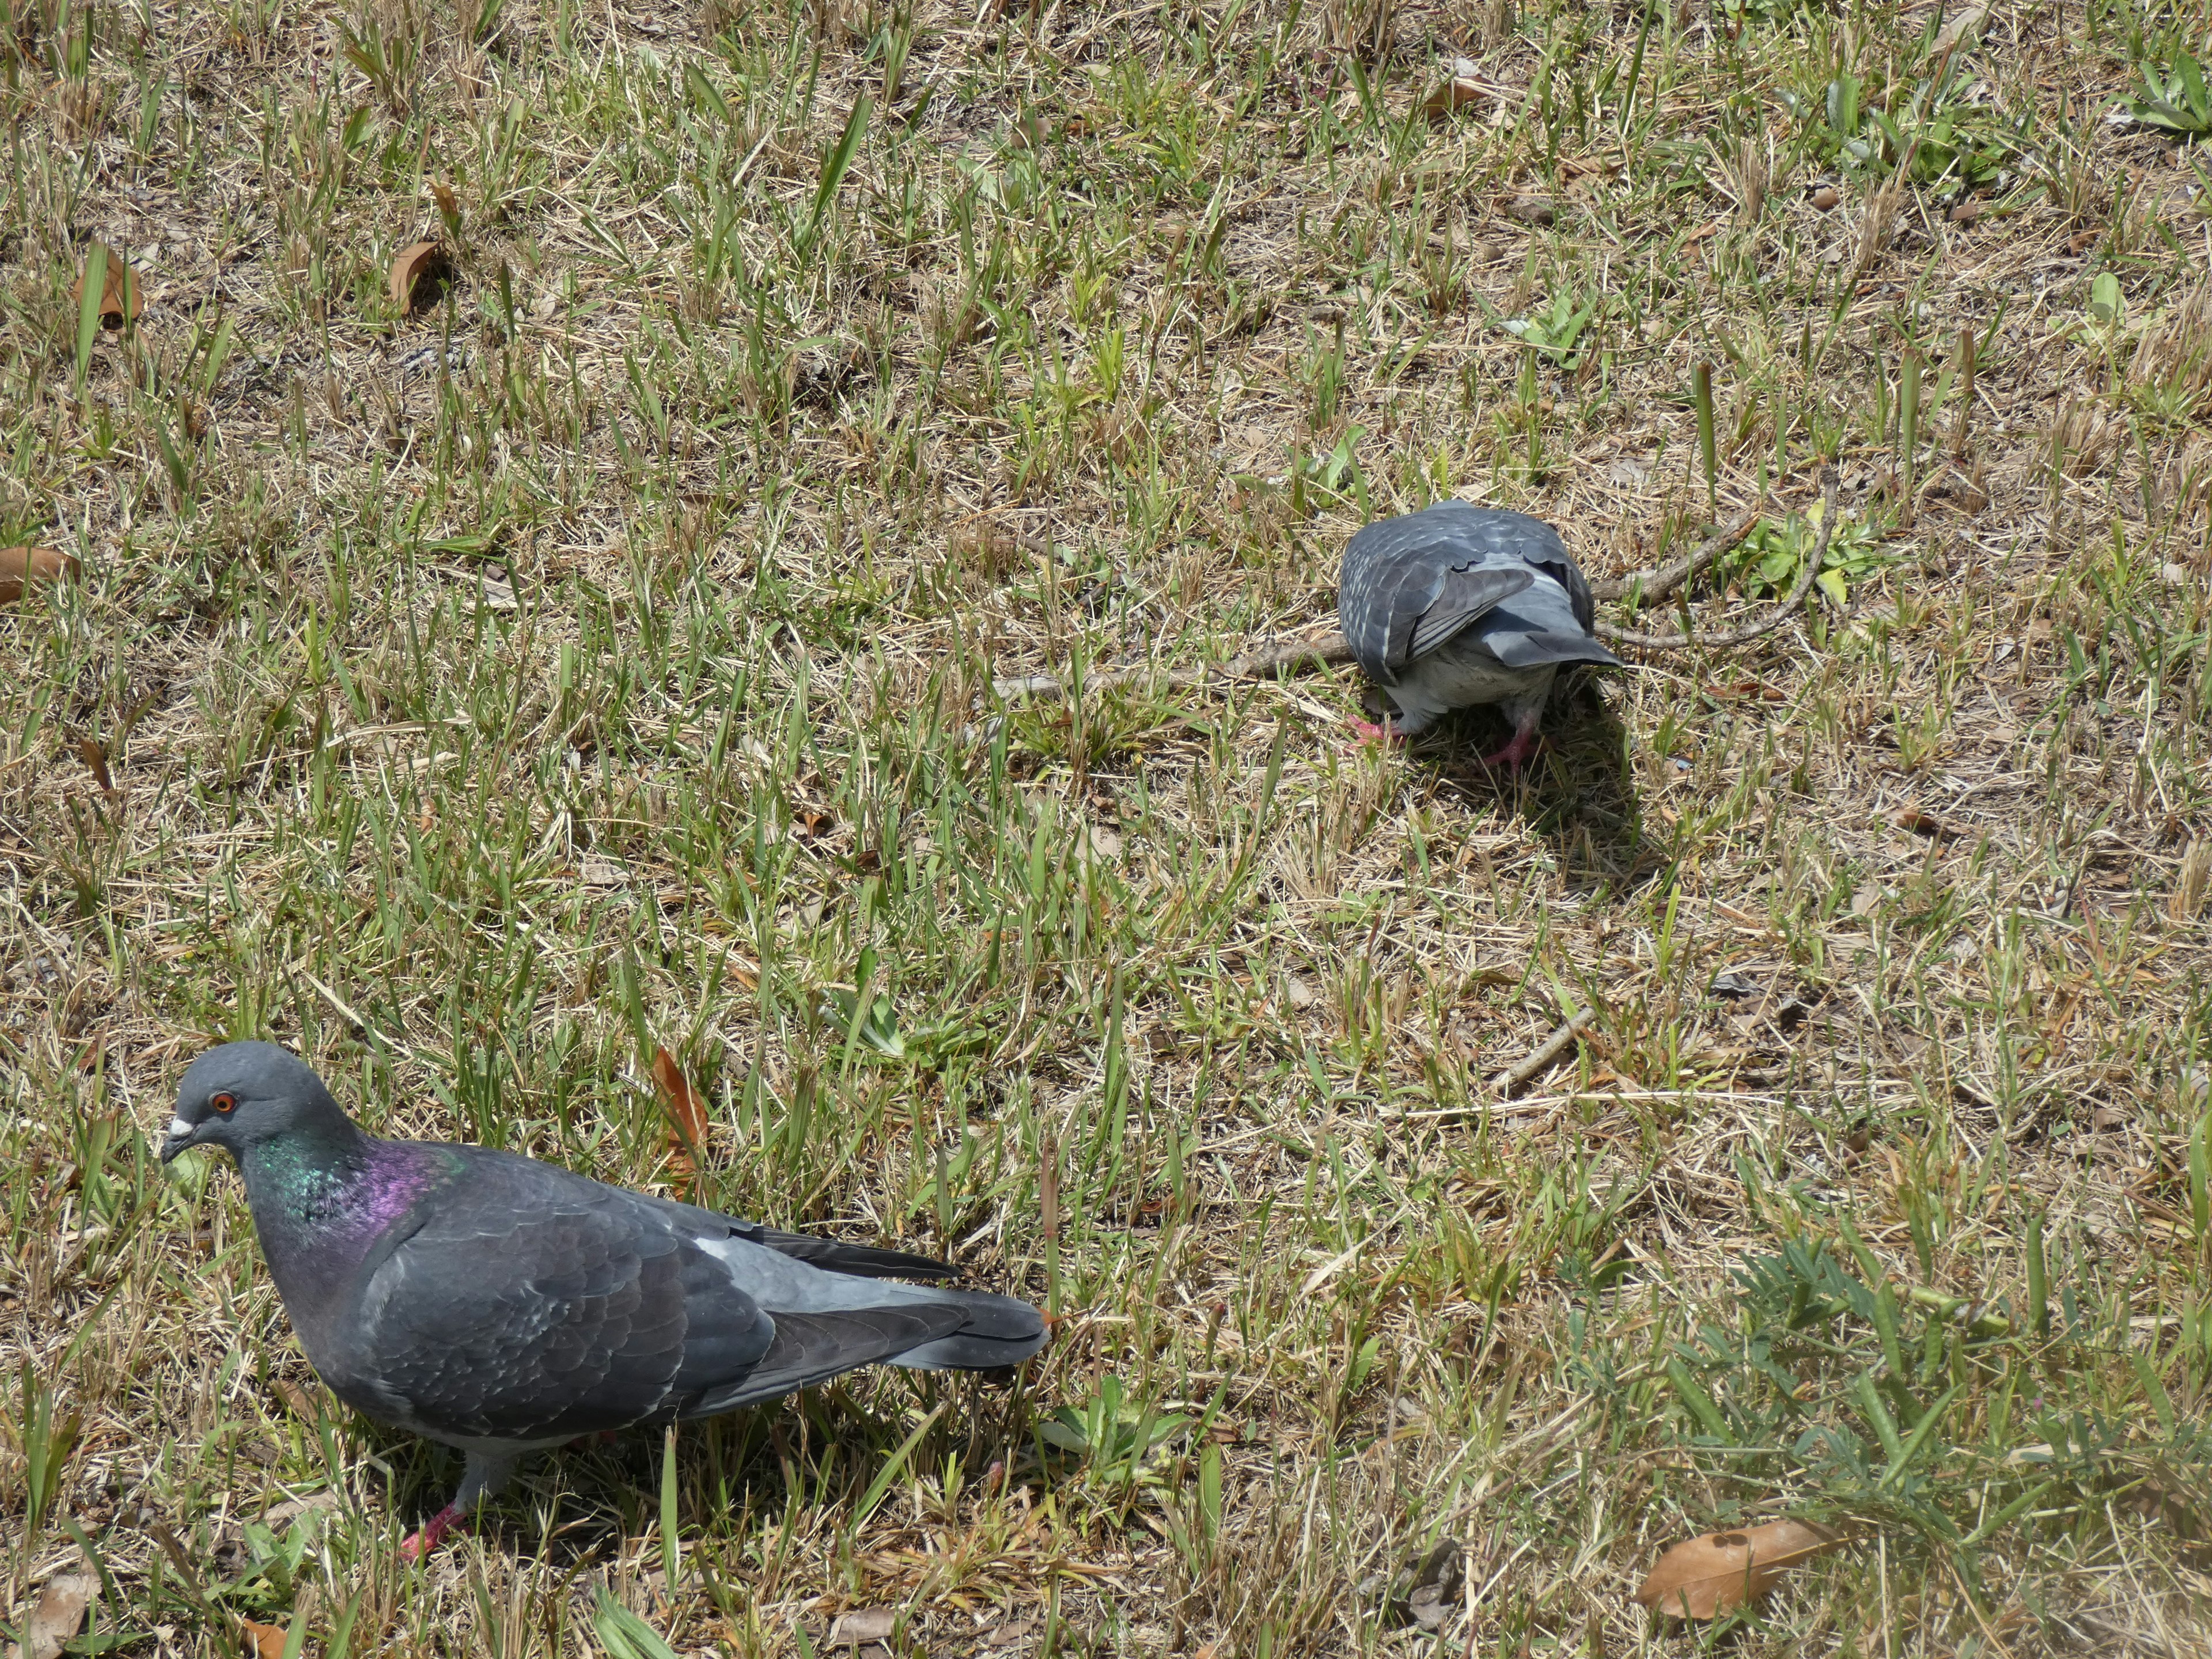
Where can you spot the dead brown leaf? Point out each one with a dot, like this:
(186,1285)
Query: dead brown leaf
(417,261)
(268,1639)
(1966,22)
(687,1117)
(118,292)
(299,1399)
(449,206)
(21,568)
(59,1611)
(1826,197)
(93,754)
(1914,821)
(1464,87)
(862,1625)
(1704,1578)
(1531,209)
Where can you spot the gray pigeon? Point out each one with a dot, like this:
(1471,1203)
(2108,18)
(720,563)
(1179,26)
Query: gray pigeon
(501,1305)
(1458,605)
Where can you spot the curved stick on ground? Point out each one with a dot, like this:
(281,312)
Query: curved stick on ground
(1331,649)
(1767,624)
(1658,582)
(1551,1048)
(1323,651)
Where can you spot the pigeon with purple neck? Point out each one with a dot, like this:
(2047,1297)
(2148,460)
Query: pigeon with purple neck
(501,1305)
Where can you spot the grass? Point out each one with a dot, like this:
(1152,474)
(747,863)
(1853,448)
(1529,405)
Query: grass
(600,659)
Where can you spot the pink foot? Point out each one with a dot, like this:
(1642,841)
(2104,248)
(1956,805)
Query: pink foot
(1514,753)
(1386,732)
(419,1545)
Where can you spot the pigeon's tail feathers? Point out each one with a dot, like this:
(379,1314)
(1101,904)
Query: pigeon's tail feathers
(1538,646)
(862,1260)
(1000,1331)
(813,1347)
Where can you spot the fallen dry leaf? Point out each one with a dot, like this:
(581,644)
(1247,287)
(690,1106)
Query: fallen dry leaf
(299,1399)
(1968,22)
(56,1618)
(1704,1578)
(22,567)
(268,1639)
(1005,1634)
(1530,209)
(449,206)
(1438,1582)
(1965,212)
(1464,87)
(862,1625)
(416,261)
(1914,821)
(1826,197)
(94,755)
(118,292)
(687,1117)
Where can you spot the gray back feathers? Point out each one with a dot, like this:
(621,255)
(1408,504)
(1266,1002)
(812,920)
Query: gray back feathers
(1414,584)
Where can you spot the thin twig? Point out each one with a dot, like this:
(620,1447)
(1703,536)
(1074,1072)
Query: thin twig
(1549,1050)
(1767,624)
(1328,650)
(1323,651)
(1657,584)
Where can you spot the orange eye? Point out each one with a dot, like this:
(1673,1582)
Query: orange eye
(223,1103)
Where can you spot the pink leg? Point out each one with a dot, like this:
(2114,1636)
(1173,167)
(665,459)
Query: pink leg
(1386,732)
(419,1545)
(1514,753)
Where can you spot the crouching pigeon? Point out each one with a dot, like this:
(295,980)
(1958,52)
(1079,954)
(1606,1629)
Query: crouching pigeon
(1459,604)
(501,1305)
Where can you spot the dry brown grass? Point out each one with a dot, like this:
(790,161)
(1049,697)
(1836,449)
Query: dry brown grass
(603,657)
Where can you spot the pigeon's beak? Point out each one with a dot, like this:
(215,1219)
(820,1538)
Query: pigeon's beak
(180,1137)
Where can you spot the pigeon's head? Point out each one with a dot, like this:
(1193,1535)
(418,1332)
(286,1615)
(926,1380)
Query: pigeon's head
(245,1092)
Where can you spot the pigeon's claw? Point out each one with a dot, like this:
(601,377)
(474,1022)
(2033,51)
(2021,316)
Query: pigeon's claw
(417,1546)
(1385,732)
(1514,753)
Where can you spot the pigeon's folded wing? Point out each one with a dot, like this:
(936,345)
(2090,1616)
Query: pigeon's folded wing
(834,1255)
(1408,585)
(541,1315)
(813,1347)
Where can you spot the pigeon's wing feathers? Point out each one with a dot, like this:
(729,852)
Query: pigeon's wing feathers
(1534,647)
(1462,597)
(1410,583)
(542,1323)
(835,1255)
(998,1331)
(1569,575)
(813,1347)
(543,1305)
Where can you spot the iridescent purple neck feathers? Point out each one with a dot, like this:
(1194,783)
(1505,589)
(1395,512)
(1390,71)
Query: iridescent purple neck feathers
(322,1206)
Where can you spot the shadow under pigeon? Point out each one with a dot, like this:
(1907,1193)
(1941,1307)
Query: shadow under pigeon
(587,1500)
(1576,791)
